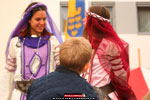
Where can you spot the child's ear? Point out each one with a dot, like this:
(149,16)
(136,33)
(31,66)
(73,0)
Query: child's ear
(86,67)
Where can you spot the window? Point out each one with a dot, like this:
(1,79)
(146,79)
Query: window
(143,10)
(63,15)
(110,6)
(64,12)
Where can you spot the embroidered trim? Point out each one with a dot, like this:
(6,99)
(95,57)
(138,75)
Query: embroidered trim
(97,16)
(10,70)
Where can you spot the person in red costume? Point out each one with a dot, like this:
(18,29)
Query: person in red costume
(109,69)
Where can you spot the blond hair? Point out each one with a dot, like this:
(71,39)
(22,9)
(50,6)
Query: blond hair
(75,53)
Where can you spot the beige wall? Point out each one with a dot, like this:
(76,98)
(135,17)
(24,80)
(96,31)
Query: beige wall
(10,14)
(126,25)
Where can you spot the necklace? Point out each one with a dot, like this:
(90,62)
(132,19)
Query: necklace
(36,50)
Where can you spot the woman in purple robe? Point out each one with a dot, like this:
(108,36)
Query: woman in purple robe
(29,53)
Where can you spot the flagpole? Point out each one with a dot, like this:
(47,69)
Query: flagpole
(139,57)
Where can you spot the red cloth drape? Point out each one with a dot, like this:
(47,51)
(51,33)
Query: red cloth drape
(97,30)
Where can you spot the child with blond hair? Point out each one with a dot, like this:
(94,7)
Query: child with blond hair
(74,55)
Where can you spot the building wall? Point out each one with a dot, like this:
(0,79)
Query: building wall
(125,25)
(11,12)
(126,17)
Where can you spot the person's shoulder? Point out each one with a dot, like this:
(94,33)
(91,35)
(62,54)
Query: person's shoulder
(39,81)
(122,40)
(108,43)
(54,41)
(38,84)
(84,84)
(53,38)
(111,48)
(14,41)
(125,43)
(14,38)
(43,79)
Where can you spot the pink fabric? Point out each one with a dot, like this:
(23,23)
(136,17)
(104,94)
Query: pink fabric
(99,77)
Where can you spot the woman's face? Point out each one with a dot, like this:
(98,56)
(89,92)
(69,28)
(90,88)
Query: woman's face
(37,22)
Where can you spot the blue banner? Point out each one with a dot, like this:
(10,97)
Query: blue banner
(74,25)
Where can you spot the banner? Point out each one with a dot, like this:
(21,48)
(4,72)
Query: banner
(138,83)
(74,25)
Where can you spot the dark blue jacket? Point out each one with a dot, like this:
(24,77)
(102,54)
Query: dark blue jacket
(57,83)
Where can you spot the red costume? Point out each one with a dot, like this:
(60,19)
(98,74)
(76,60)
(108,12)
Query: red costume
(112,55)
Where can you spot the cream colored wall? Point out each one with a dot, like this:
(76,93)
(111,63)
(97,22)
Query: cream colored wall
(10,14)
(126,26)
